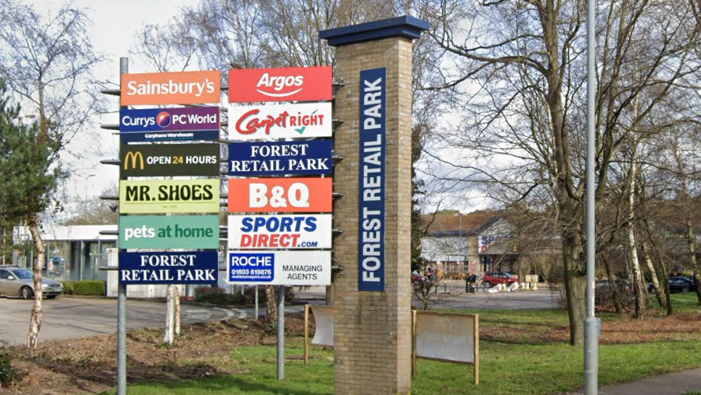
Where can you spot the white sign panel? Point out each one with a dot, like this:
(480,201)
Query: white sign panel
(280,231)
(279,267)
(280,121)
(449,337)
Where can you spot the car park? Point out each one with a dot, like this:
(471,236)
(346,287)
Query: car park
(18,281)
(494,278)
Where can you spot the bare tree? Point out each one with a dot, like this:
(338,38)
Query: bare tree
(47,62)
(524,111)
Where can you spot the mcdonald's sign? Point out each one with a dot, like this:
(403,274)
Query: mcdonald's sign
(169,160)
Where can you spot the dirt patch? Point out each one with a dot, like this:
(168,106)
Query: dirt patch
(89,365)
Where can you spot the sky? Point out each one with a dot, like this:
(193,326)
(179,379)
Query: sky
(113,29)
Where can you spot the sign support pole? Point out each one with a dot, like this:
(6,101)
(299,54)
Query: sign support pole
(122,302)
(281,332)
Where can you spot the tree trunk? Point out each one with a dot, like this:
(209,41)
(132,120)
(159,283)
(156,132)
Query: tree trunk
(35,317)
(691,237)
(176,300)
(271,303)
(575,286)
(615,295)
(640,297)
(660,292)
(168,336)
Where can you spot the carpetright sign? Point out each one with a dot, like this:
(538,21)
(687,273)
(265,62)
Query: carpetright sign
(280,121)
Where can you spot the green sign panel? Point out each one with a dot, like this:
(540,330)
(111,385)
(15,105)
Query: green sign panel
(168,196)
(169,160)
(179,231)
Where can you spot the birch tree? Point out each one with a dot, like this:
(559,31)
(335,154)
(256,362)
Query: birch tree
(47,62)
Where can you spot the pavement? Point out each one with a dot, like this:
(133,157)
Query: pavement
(679,383)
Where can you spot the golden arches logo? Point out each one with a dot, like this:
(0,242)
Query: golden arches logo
(134,157)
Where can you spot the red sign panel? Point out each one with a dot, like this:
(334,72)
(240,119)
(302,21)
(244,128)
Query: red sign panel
(282,195)
(281,84)
(186,87)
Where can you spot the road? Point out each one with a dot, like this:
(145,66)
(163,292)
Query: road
(75,317)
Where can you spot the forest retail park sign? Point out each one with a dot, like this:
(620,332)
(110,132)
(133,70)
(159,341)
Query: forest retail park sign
(275,159)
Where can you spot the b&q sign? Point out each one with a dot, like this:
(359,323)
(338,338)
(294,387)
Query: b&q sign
(188,87)
(282,195)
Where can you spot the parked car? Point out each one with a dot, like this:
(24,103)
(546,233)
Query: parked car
(494,278)
(419,279)
(18,281)
(681,284)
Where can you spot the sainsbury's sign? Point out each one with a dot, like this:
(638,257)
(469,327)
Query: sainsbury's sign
(280,121)
(280,231)
(187,87)
(138,125)
(281,195)
(281,84)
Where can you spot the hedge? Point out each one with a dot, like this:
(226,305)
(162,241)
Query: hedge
(96,288)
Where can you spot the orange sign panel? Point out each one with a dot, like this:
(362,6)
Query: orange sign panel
(282,195)
(187,87)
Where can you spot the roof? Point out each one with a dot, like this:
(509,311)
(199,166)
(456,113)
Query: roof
(458,224)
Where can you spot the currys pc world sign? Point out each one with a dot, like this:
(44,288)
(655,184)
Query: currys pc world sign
(281,84)
(167,124)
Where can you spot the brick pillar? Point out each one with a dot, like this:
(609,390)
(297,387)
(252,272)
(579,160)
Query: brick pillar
(372,341)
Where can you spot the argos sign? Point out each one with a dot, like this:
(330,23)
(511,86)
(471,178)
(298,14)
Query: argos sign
(282,195)
(280,121)
(279,231)
(188,87)
(281,84)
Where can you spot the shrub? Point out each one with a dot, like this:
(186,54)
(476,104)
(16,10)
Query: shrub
(68,287)
(97,288)
(8,375)
(208,291)
(222,298)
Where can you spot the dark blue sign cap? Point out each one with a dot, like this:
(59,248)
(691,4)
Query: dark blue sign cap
(403,26)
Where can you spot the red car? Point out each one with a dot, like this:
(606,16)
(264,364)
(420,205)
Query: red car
(494,278)
(419,279)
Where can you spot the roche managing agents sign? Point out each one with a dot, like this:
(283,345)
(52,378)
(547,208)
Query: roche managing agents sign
(371,211)
(178,231)
(280,267)
(187,267)
(284,158)
(187,87)
(169,124)
(169,160)
(282,195)
(281,84)
(168,196)
(279,231)
(280,121)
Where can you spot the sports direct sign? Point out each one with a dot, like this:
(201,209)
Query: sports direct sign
(187,87)
(280,121)
(281,84)
(282,195)
(169,124)
(279,231)
(279,267)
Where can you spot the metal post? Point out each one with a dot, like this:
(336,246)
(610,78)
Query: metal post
(122,304)
(256,309)
(280,332)
(591,330)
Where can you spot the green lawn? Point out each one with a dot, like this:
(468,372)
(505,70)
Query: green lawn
(509,365)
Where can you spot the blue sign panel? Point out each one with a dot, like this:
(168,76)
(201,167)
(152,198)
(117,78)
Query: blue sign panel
(186,267)
(371,237)
(276,159)
(251,267)
(169,124)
